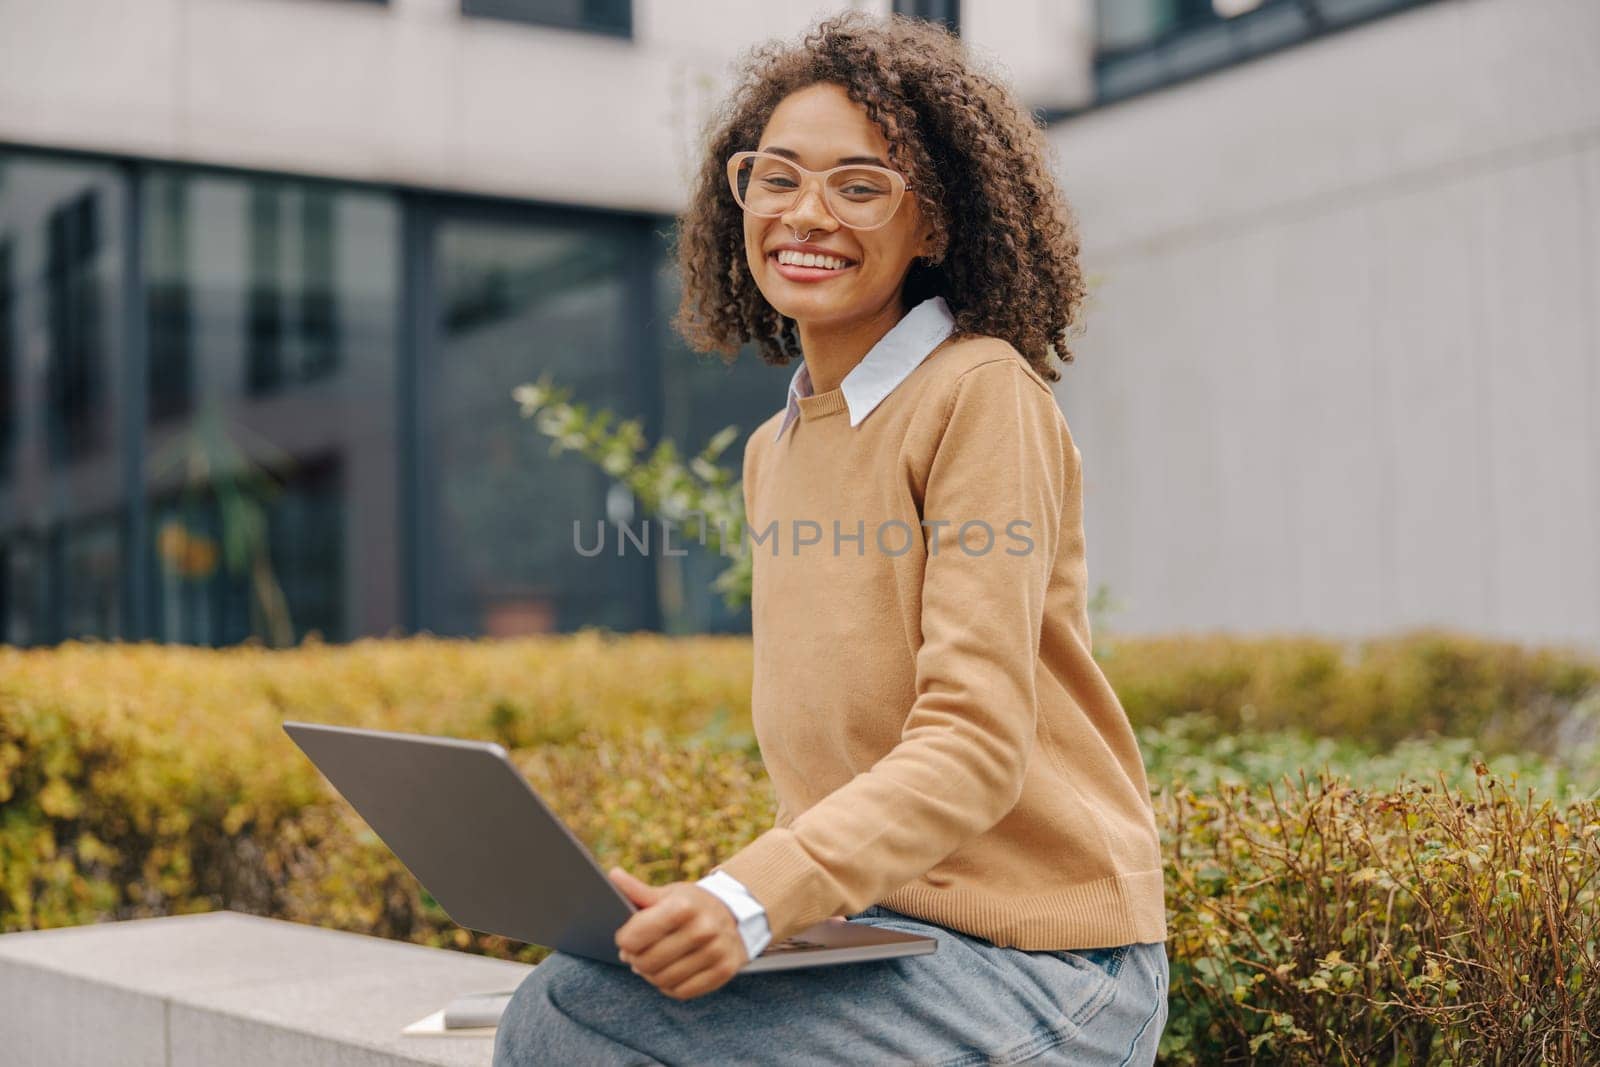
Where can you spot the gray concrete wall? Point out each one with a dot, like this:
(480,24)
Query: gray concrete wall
(235,989)
(412,91)
(1339,371)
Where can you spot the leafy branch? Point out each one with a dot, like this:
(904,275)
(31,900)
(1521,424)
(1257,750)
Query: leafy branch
(702,496)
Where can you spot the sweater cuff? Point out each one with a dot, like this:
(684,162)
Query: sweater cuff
(793,889)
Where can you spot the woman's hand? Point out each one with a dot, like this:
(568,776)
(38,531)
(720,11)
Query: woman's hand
(684,941)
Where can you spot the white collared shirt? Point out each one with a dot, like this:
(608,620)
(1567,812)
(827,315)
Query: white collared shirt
(885,366)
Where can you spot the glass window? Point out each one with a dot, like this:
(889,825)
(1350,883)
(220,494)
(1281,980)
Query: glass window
(1123,24)
(306,538)
(518,297)
(77,391)
(700,395)
(91,575)
(167,296)
(62,242)
(945,11)
(8,367)
(293,305)
(217,583)
(26,593)
(1145,44)
(273,368)
(598,16)
(195,598)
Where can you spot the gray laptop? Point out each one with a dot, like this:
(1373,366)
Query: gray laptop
(472,830)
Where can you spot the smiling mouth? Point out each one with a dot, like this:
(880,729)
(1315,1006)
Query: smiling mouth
(842,262)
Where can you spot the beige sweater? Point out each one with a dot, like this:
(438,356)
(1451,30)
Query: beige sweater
(939,737)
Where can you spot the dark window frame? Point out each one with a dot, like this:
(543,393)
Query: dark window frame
(1240,39)
(77,393)
(170,343)
(945,11)
(527,12)
(10,370)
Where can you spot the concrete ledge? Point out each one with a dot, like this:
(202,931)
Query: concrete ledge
(235,989)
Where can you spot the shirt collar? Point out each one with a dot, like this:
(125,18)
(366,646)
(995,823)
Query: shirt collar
(886,364)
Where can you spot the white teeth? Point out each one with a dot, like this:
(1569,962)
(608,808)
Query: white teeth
(809,259)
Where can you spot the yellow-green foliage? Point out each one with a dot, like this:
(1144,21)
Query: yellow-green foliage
(1318,923)
(1357,919)
(1507,696)
(142,779)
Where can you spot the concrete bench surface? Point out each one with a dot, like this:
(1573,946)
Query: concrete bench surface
(228,988)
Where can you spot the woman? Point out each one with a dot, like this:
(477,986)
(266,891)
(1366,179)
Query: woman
(947,756)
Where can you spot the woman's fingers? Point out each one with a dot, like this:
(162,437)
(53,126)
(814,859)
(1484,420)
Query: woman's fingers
(685,944)
(705,962)
(689,938)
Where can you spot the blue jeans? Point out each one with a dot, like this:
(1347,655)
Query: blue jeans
(971,1002)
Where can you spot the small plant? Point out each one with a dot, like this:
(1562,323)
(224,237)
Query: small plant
(701,495)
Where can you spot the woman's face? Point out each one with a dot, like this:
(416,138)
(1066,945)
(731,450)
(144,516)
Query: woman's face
(822,126)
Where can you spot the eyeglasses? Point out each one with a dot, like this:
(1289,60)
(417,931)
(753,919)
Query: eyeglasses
(860,196)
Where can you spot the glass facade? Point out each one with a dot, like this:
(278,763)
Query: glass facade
(247,406)
(1147,44)
(520,297)
(271,306)
(62,358)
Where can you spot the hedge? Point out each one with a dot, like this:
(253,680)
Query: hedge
(1407,897)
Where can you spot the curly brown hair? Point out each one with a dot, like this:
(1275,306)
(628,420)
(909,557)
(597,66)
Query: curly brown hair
(1005,252)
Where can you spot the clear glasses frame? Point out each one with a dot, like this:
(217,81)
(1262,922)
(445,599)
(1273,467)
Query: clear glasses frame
(897,183)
